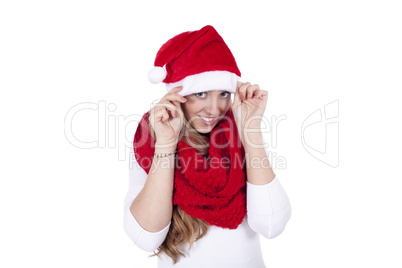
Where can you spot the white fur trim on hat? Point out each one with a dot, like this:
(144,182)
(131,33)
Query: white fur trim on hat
(206,81)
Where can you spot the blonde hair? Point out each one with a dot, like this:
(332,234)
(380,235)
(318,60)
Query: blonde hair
(184,228)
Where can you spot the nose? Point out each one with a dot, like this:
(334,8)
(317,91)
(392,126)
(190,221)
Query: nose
(213,108)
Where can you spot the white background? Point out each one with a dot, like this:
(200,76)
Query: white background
(62,205)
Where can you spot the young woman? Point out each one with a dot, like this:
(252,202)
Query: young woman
(201,188)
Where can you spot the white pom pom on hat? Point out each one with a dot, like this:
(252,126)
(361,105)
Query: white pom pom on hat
(157,74)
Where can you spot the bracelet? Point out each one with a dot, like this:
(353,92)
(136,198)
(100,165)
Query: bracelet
(164,155)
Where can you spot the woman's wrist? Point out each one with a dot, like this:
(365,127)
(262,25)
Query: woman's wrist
(252,138)
(165,147)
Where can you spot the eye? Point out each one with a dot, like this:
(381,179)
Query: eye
(204,94)
(225,94)
(201,94)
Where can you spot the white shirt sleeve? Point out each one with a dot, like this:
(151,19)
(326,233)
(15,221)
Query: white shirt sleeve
(148,241)
(268,207)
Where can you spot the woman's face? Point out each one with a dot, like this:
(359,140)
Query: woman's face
(204,110)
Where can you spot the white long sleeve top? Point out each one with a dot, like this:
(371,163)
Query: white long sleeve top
(268,211)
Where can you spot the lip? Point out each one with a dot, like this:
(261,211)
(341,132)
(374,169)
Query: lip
(208,123)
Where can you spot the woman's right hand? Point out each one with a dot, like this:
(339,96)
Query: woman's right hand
(166,118)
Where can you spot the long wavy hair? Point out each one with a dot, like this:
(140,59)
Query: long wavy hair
(184,228)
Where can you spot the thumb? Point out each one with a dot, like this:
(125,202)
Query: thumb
(239,84)
(236,100)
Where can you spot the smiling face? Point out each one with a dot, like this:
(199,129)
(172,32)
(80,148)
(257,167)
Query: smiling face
(204,110)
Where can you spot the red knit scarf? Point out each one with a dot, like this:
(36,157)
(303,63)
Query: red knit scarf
(214,189)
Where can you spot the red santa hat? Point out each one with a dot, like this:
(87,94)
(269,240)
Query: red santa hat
(197,60)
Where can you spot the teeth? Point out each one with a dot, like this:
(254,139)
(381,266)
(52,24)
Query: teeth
(207,119)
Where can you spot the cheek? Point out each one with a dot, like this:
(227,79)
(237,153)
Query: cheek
(226,105)
(192,105)
(190,108)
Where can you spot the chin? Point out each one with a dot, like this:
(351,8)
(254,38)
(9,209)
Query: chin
(203,130)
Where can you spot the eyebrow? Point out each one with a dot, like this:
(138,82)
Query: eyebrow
(224,91)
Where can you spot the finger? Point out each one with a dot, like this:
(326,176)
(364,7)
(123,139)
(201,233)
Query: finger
(155,118)
(175,112)
(165,116)
(257,94)
(236,101)
(251,91)
(261,94)
(161,115)
(175,108)
(178,108)
(179,111)
(167,106)
(173,97)
(176,89)
(158,114)
(152,116)
(243,89)
(239,84)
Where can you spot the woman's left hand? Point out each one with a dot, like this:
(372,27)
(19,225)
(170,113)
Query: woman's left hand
(249,106)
